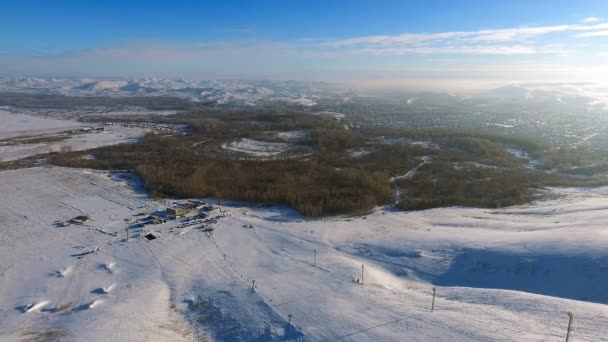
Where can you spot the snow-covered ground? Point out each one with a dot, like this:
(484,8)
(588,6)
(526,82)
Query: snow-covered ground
(500,275)
(17,125)
(304,101)
(336,115)
(20,124)
(111,136)
(524,156)
(256,147)
(292,136)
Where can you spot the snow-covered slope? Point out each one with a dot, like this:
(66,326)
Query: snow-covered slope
(506,275)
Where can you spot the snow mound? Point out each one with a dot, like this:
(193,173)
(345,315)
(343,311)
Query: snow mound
(110,267)
(256,147)
(95,303)
(105,290)
(303,101)
(64,272)
(36,307)
(292,136)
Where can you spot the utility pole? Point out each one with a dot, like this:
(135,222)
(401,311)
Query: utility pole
(289,319)
(315,260)
(571,315)
(253,285)
(362,274)
(433,302)
(193,331)
(224,256)
(127,230)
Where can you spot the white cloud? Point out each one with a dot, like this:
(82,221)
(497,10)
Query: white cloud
(497,36)
(463,49)
(497,41)
(589,20)
(594,34)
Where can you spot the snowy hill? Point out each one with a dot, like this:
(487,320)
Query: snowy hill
(500,275)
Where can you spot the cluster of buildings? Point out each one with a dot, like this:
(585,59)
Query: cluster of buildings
(182,209)
(188,214)
(156,127)
(192,213)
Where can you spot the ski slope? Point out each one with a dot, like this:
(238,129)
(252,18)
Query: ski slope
(500,275)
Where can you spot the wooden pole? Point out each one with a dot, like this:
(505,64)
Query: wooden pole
(571,315)
(127,229)
(289,319)
(315,260)
(433,302)
(362,274)
(253,284)
(193,331)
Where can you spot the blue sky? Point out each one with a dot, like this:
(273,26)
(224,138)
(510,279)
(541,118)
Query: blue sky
(376,43)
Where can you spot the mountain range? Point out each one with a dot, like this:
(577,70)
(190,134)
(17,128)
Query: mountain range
(246,93)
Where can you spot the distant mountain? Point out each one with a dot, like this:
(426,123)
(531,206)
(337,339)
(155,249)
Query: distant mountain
(236,93)
(568,97)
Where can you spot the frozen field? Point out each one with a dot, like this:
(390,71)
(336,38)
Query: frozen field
(22,124)
(84,141)
(507,275)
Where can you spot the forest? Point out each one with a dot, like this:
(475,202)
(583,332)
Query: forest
(336,168)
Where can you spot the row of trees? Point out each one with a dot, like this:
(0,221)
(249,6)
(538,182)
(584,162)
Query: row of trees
(311,188)
(440,184)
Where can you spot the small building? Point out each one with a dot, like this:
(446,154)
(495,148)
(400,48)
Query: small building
(154,219)
(209,209)
(177,212)
(150,237)
(193,204)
